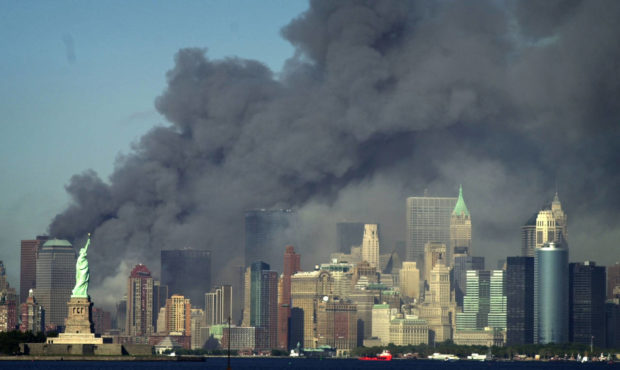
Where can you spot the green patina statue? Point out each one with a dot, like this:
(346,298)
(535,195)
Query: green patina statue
(82,274)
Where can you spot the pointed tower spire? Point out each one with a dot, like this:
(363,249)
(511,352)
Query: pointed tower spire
(460,209)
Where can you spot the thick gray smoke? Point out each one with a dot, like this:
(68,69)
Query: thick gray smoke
(381,100)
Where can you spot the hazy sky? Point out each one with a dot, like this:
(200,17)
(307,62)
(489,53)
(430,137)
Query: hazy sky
(79,80)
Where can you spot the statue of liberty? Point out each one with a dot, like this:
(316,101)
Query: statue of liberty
(82,274)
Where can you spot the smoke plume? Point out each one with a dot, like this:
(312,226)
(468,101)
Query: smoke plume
(381,100)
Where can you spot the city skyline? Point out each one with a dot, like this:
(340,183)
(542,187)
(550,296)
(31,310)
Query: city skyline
(258,135)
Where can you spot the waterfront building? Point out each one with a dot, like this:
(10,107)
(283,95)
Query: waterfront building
(32,315)
(520,300)
(337,324)
(139,321)
(587,303)
(408,331)
(178,315)
(476,303)
(382,315)
(187,272)
(197,318)
(307,288)
(264,301)
(460,230)
(55,279)
(267,231)
(428,220)
(497,301)
(551,294)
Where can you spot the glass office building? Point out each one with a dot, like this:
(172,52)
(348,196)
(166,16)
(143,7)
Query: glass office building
(551,295)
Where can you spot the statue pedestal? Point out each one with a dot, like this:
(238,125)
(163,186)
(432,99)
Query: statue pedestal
(78,324)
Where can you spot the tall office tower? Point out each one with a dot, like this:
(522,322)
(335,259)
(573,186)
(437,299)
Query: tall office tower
(178,315)
(551,294)
(587,303)
(433,253)
(218,305)
(476,303)
(55,279)
(139,303)
(460,229)
(410,280)
(160,294)
(438,309)
(238,293)
(264,301)
(247,293)
(613,279)
(28,272)
(306,290)
(337,324)
(267,231)
(462,263)
(370,245)
(382,315)
(497,300)
(8,303)
(428,220)
(187,272)
(197,317)
(528,236)
(292,264)
(349,235)
(121,314)
(520,300)
(32,315)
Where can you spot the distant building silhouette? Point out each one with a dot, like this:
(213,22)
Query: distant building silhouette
(187,272)
(267,231)
(349,235)
(28,261)
(520,294)
(587,303)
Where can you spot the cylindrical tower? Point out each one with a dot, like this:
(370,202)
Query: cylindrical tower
(551,301)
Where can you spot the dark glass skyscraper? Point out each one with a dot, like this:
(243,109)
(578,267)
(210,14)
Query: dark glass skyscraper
(187,272)
(28,272)
(267,232)
(520,294)
(587,303)
(55,279)
(264,300)
(551,294)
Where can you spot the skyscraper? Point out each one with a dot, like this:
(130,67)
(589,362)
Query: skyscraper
(497,300)
(139,321)
(264,301)
(178,315)
(460,229)
(438,309)
(528,236)
(55,279)
(187,272)
(520,296)
(349,235)
(477,301)
(160,295)
(267,231)
(613,279)
(28,261)
(434,252)
(370,245)
(428,220)
(218,305)
(551,294)
(8,303)
(337,324)
(292,264)
(587,303)
(462,263)
(546,226)
(306,289)
(410,280)
(32,315)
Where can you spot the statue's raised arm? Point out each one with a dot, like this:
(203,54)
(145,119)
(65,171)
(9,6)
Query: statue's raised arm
(82,273)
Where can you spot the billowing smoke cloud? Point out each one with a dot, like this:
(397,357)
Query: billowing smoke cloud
(381,100)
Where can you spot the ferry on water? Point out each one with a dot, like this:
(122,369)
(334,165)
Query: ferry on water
(383,356)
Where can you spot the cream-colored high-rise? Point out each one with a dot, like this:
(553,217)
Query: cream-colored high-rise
(439,306)
(410,280)
(551,224)
(307,288)
(370,245)
(433,253)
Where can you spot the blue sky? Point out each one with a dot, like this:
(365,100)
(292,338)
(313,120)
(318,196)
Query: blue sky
(79,79)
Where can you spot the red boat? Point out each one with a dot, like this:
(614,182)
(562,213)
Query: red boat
(383,356)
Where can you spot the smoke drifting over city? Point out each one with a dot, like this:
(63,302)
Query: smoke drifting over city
(381,101)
